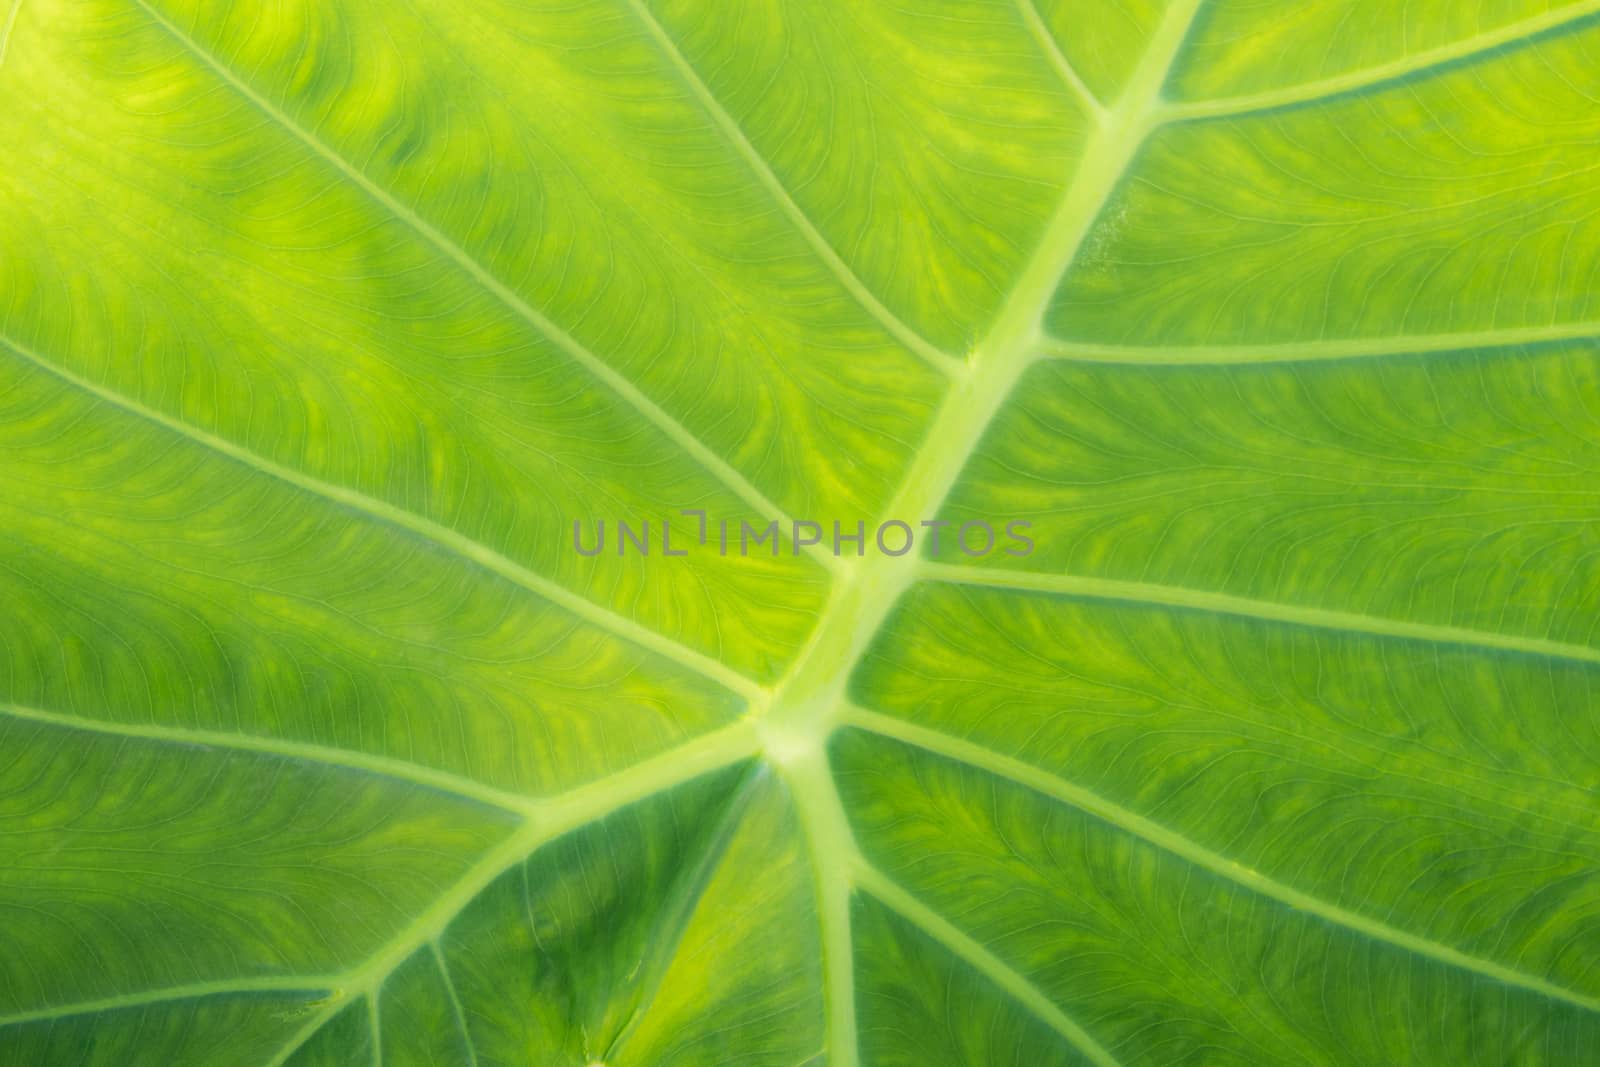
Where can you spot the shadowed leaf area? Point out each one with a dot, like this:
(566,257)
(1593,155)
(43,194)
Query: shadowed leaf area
(323,322)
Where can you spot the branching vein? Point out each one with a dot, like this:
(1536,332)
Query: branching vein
(441,243)
(1554,20)
(441,536)
(941,361)
(1176,844)
(1244,607)
(320,755)
(1058,59)
(1309,351)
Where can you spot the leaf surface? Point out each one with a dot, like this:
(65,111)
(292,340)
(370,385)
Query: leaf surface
(321,324)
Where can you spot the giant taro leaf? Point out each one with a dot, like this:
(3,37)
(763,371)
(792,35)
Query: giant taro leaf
(320,323)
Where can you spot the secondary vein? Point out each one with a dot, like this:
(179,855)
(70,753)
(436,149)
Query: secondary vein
(1551,21)
(1058,59)
(1309,351)
(1246,607)
(443,537)
(8,29)
(1025,774)
(441,243)
(300,751)
(556,816)
(1020,988)
(734,135)
(310,986)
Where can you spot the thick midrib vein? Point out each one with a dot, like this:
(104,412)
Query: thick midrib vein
(1174,596)
(829,841)
(846,871)
(1309,351)
(807,703)
(374,1009)
(1385,73)
(944,362)
(441,536)
(861,601)
(343,759)
(989,761)
(441,243)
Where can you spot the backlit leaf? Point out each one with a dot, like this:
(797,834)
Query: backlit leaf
(323,322)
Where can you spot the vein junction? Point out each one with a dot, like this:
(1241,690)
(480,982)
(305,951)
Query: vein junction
(789,725)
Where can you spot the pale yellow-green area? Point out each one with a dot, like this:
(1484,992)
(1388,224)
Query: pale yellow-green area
(321,322)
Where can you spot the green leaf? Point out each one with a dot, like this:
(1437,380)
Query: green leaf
(323,321)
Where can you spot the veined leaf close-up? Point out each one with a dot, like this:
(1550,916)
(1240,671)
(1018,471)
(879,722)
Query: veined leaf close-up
(346,345)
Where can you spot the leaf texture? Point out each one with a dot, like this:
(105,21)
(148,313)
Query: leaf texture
(321,323)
